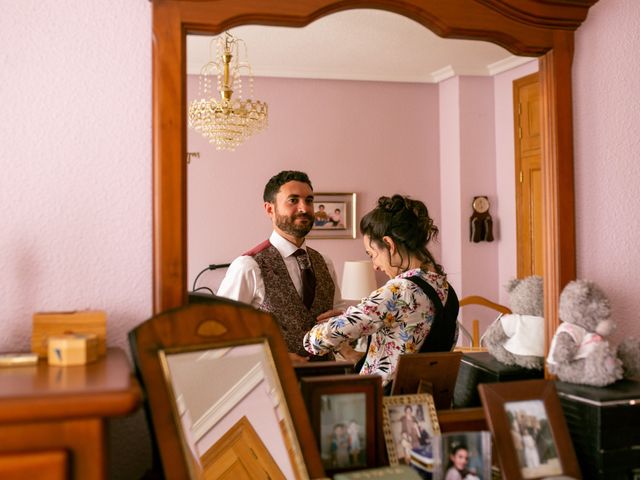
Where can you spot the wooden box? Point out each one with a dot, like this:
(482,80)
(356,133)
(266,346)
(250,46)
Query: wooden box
(72,349)
(604,423)
(46,324)
(481,367)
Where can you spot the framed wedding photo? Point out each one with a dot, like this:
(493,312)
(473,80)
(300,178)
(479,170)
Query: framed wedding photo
(334,215)
(531,435)
(345,416)
(410,424)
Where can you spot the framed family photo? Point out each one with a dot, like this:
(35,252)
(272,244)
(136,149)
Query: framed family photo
(345,416)
(410,425)
(334,215)
(530,432)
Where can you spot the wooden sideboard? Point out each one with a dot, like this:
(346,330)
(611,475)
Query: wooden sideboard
(53,420)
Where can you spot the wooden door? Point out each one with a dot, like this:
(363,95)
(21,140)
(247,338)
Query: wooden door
(528,155)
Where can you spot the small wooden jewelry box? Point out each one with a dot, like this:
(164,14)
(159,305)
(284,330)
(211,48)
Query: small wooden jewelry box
(72,349)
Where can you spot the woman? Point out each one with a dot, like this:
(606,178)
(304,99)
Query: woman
(398,316)
(458,460)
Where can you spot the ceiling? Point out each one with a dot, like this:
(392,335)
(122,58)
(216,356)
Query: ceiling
(359,45)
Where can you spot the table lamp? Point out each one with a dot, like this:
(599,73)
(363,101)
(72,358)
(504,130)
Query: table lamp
(358,279)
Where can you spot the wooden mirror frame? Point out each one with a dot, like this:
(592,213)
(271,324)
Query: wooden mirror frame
(543,28)
(197,327)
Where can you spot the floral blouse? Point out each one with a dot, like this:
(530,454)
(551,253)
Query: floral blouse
(398,317)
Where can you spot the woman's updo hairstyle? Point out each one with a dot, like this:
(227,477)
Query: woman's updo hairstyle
(407,222)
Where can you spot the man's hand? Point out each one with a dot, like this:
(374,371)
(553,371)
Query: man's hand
(295,358)
(323,317)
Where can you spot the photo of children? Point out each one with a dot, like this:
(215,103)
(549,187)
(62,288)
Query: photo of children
(343,430)
(330,215)
(533,439)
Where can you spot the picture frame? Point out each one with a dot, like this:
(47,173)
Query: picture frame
(529,429)
(335,215)
(325,368)
(409,424)
(416,371)
(345,416)
(463,451)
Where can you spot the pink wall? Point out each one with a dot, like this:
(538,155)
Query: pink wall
(371,138)
(607,151)
(468,168)
(75,187)
(451,226)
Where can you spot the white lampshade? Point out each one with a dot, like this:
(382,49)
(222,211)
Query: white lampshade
(358,279)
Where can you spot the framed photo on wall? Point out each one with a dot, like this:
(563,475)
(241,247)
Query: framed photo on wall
(345,416)
(334,215)
(531,435)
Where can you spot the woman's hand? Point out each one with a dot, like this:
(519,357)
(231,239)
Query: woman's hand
(323,317)
(347,353)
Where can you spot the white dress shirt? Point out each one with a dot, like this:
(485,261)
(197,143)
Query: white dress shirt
(243,281)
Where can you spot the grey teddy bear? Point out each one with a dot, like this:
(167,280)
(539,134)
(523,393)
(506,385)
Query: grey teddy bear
(580,352)
(518,339)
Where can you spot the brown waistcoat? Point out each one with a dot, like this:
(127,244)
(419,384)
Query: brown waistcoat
(283,301)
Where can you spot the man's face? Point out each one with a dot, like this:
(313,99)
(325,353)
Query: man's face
(292,211)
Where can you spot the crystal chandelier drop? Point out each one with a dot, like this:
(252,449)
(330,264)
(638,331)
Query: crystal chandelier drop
(225,121)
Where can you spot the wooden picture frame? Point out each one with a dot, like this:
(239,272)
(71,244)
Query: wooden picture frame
(529,429)
(409,423)
(345,411)
(335,215)
(318,369)
(416,370)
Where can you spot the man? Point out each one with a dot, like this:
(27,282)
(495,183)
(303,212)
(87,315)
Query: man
(275,275)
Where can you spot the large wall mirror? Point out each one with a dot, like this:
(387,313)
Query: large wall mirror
(368,102)
(524,27)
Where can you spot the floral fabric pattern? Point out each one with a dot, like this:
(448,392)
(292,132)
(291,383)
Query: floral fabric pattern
(398,317)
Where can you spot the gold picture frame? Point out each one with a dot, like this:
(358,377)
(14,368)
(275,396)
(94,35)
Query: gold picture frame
(409,422)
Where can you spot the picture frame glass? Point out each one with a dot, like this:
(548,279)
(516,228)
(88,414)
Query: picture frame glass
(334,215)
(410,424)
(345,415)
(343,430)
(533,440)
(463,455)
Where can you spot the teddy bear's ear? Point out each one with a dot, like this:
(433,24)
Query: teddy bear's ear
(511,284)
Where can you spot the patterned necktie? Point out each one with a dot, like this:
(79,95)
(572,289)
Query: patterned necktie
(308,277)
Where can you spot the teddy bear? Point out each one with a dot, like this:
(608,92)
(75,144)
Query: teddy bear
(518,338)
(580,351)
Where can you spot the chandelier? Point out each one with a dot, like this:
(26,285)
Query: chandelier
(225,121)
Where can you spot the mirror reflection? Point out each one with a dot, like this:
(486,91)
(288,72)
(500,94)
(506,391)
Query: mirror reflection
(441,140)
(232,413)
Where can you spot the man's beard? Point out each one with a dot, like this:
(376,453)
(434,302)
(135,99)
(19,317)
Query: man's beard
(288,224)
